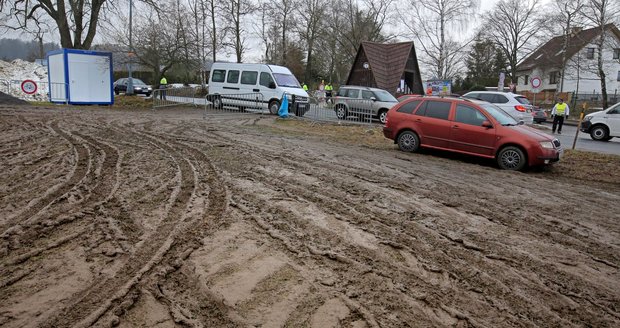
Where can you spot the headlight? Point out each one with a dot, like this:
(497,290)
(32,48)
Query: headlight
(546,144)
(138,88)
(587,118)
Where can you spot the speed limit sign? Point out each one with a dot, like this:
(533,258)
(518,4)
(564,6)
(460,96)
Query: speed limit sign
(29,87)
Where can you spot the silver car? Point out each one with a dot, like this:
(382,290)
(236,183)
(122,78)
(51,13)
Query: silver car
(514,104)
(363,101)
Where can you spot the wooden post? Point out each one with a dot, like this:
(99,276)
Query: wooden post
(581,115)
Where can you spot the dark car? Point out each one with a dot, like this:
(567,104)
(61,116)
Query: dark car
(139,87)
(470,127)
(539,115)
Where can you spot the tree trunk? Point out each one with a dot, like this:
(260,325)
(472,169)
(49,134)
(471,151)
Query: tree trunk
(601,72)
(214,31)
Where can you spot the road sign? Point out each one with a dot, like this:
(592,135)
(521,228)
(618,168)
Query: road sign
(536,82)
(29,87)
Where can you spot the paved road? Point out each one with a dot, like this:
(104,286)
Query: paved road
(584,142)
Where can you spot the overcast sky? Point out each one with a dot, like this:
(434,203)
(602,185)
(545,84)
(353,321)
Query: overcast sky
(254,47)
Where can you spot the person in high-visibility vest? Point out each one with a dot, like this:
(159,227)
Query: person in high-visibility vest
(305,86)
(328,92)
(559,113)
(163,84)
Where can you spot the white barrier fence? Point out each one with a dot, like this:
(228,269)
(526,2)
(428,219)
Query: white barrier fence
(42,91)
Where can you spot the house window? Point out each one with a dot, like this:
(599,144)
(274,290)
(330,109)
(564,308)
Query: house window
(526,80)
(554,77)
(617,53)
(590,53)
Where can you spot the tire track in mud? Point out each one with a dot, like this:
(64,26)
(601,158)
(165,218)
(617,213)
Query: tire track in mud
(106,181)
(168,238)
(351,261)
(78,173)
(204,307)
(437,240)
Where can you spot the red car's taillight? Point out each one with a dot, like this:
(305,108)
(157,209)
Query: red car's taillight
(520,108)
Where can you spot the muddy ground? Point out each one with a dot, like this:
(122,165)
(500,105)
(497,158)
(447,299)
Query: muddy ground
(163,219)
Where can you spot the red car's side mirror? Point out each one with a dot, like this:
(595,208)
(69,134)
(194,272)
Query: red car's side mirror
(487,124)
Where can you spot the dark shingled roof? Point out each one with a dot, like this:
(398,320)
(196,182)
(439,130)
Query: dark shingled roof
(550,54)
(388,62)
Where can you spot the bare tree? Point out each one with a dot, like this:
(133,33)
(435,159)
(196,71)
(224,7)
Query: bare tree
(430,22)
(237,10)
(513,25)
(569,14)
(200,33)
(156,48)
(311,13)
(363,22)
(601,13)
(75,20)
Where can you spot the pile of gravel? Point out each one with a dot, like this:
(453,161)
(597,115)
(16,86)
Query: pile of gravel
(10,100)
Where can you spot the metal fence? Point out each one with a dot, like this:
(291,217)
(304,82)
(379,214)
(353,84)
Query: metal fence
(46,91)
(352,111)
(166,97)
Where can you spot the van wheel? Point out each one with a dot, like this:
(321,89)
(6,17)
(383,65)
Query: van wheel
(382,116)
(274,107)
(599,133)
(511,158)
(341,112)
(408,141)
(217,102)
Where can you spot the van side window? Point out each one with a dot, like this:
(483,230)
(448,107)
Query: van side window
(265,79)
(249,77)
(233,77)
(409,107)
(218,75)
(438,109)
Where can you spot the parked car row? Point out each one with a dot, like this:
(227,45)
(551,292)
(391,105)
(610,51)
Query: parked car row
(139,87)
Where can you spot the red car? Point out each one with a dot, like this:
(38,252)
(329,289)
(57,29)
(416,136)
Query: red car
(470,127)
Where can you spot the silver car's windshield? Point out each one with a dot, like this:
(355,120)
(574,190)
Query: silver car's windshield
(385,96)
(499,114)
(286,80)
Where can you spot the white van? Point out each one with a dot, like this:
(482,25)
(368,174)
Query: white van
(255,86)
(603,125)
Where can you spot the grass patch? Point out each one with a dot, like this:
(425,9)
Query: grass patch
(132,102)
(366,135)
(588,166)
(575,164)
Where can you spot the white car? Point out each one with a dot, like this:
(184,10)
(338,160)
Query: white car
(515,105)
(603,125)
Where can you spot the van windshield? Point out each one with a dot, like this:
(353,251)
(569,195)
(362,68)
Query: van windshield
(286,80)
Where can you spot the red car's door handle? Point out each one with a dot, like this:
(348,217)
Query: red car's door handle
(418,120)
(455,126)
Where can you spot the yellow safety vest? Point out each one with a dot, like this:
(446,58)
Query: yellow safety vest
(305,87)
(560,108)
(163,81)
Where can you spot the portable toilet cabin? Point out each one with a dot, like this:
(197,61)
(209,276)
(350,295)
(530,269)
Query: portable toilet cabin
(80,77)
